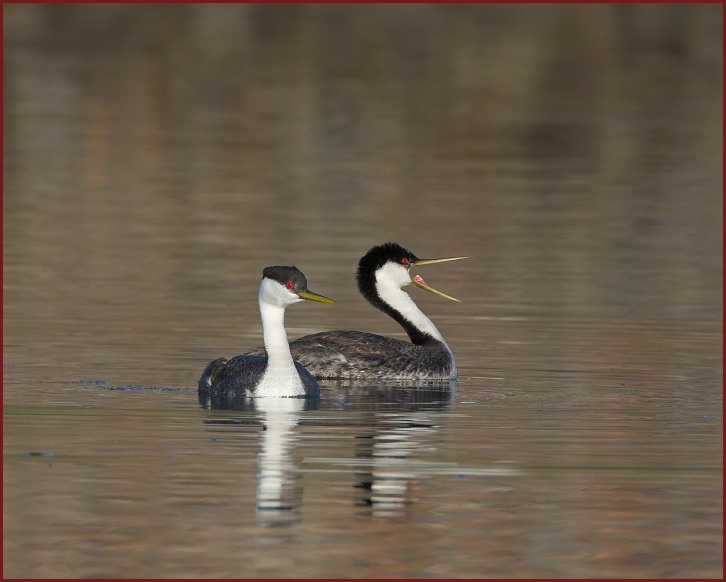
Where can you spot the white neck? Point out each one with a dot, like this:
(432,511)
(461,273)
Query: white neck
(389,281)
(281,377)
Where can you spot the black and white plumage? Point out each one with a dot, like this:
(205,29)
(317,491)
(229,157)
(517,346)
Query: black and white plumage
(272,373)
(382,273)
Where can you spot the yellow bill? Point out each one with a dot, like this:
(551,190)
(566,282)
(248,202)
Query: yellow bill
(432,261)
(419,282)
(313,296)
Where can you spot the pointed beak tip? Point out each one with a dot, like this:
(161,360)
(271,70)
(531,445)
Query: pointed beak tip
(310,296)
(419,282)
(322,299)
(434,261)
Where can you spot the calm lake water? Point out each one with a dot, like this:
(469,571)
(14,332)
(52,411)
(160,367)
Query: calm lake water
(157,157)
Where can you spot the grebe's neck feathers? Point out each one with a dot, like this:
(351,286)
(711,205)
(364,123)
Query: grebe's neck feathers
(382,271)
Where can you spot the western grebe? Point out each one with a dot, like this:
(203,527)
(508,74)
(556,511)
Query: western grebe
(274,373)
(382,273)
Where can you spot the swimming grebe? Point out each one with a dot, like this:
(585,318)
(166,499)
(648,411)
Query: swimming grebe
(273,373)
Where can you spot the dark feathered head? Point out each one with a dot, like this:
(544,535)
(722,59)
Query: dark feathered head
(378,256)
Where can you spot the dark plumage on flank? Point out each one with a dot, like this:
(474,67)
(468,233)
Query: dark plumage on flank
(230,378)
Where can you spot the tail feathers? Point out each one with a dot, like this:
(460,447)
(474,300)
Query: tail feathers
(211,373)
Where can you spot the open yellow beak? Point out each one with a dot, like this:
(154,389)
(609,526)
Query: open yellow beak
(419,282)
(309,295)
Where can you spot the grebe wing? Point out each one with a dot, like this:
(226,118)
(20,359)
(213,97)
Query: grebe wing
(332,354)
(237,374)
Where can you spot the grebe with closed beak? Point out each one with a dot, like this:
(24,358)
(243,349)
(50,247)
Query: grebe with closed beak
(272,373)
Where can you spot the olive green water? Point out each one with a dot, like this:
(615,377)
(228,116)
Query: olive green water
(157,157)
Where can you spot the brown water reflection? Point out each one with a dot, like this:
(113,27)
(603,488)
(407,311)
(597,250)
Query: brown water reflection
(157,157)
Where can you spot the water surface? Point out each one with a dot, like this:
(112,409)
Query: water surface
(157,157)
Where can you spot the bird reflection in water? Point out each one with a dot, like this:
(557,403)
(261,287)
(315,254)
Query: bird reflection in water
(279,484)
(389,484)
(392,425)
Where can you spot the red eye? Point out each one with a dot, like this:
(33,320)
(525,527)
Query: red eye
(289,285)
(404,260)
